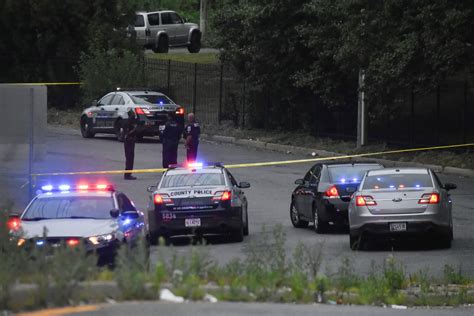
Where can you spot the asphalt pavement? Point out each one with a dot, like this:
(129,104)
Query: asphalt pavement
(262,309)
(268,198)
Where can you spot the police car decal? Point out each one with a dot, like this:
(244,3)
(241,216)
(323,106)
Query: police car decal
(191,193)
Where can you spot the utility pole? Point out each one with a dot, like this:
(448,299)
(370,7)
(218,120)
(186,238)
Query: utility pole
(361,113)
(203,17)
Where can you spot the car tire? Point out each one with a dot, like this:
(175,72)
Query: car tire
(295,218)
(162,45)
(195,43)
(237,235)
(86,129)
(320,226)
(444,241)
(246,228)
(355,241)
(119,131)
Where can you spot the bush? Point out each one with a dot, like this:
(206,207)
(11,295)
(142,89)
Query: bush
(102,71)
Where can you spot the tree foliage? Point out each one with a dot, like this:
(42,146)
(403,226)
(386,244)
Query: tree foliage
(321,45)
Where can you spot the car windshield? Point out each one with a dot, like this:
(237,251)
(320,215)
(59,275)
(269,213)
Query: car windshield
(349,173)
(70,207)
(151,99)
(193,179)
(398,181)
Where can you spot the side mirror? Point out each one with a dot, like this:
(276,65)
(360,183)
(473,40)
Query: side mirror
(299,182)
(114,213)
(151,188)
(450,186)
(130,214)
(244,185)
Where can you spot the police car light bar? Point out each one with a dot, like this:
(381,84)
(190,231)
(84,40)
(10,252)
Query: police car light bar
(195,165)
(79,187)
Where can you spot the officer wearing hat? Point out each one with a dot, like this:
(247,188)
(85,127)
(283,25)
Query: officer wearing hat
(130,137)
(191,135)
(170,140)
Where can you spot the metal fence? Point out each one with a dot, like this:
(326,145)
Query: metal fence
(212,91)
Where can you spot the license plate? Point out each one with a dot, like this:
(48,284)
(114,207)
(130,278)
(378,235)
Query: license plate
(161,128)
(192,222)
(398,227)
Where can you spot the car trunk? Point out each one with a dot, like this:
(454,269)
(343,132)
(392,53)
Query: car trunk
(193,199)
(397,201)
(346,190)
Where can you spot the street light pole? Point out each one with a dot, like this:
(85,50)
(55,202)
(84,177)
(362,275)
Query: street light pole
(361,113)
(203,17)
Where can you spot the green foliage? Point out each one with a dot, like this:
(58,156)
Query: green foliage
(41,40)
(451,276)
(132,271)
(103,71)
(289,48)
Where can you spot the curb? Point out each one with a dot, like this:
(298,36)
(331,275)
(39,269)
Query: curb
(323,153)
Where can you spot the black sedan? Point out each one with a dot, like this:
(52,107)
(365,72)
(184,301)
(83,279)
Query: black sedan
(323,195)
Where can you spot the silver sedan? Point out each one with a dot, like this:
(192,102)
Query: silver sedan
(401,202)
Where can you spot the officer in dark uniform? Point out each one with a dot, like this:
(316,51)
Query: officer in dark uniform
(191,135)
(171,136)
(130,137)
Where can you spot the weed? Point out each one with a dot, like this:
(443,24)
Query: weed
(451,276)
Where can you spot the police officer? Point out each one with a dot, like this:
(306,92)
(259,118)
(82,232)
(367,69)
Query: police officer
(171,135)
(191,135)
(130,136)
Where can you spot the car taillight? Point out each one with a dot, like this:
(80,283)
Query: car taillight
(429,198)
(332,192)
(162,198)
(365,200)
(222,196)
(14,223)
(142,111)
(72,242)
(180,111)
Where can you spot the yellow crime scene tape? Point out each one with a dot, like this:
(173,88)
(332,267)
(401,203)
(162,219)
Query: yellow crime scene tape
(43,83)
(262,164)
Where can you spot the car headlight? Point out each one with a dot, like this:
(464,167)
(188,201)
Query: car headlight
(101,239)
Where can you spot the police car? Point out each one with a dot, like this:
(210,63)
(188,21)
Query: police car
(198,198)
(108,114)
(93,215)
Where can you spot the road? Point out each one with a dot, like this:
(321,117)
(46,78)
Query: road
(263,309)
(268,201)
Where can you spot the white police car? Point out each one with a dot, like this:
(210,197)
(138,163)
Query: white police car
(93,215)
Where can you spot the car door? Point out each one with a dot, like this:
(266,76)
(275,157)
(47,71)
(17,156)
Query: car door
(168,25)
(115,108)
(300,194)
(311,190)
(132,220)
(153,27)
(101,117)
(236,191)
(141,31)
(181,30)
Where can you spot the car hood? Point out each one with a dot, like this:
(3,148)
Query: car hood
(68,227)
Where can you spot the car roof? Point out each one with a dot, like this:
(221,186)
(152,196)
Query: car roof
(76,194)
(388,171)
(210,169)
(151,12)
(350,163)
(141,92)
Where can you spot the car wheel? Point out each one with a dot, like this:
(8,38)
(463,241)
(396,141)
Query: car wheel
(295,218)
(355,241)
(444,241)
(86,129)
(162,45)
(119,130)
(320,226)
(237,235)
(195,45)
(246,228)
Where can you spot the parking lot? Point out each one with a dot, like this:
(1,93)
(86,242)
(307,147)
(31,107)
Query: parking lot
(268,202)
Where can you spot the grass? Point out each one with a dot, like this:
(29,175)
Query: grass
(201,58)
(264,274)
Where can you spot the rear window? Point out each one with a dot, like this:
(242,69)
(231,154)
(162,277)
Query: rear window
(398,181)
(349,174)
(70,207)
(151,99)
(139,21)
(193,179)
